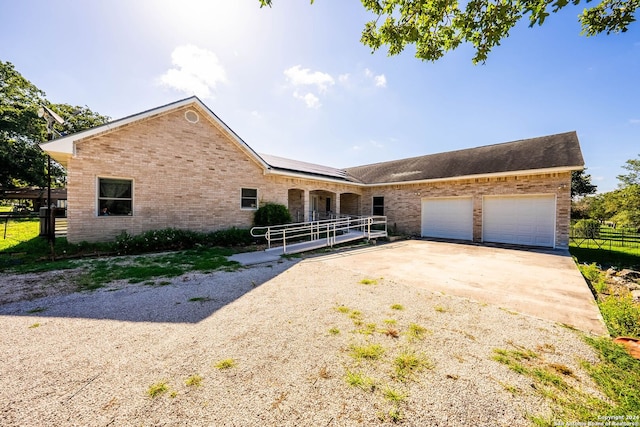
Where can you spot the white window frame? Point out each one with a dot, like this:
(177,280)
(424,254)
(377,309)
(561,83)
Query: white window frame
(243,198)
(98,198)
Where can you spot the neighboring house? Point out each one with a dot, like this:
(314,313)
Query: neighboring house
(180,166)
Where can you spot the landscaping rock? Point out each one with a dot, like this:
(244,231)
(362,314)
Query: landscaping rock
(630,275)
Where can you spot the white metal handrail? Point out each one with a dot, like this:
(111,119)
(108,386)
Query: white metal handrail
(329,229)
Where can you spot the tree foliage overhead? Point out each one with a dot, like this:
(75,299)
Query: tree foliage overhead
(581,184)
(22,162)
(438,26)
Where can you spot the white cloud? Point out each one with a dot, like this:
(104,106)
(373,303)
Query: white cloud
(376,144)
(379,81)
(299,76)
(256,114)
(343,78)
(196,71)
(309,99)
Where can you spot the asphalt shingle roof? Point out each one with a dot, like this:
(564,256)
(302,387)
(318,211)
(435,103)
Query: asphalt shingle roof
(546,152)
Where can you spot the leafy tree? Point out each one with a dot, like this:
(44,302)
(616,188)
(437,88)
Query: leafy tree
(633,177)
(438,26)
(22,162)
(581,184)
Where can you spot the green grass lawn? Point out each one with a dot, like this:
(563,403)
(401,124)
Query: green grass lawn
(17,232)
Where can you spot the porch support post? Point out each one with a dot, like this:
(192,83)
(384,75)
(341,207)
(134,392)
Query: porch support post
(307,207)
(337,204)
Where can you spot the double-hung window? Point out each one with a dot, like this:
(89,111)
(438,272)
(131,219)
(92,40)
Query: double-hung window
(249,198)
(115,197)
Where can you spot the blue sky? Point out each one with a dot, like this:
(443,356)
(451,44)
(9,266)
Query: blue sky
(294,80)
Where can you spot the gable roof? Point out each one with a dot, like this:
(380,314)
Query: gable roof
(62,149)
(560,151)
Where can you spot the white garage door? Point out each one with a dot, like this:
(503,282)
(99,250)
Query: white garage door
(521,220)
(448,218)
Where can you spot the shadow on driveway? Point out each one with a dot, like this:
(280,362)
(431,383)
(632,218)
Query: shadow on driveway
(187,299)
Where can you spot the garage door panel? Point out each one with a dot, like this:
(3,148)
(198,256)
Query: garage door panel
(448,218)
(522,220)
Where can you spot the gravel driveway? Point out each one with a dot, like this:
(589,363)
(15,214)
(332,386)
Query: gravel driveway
(89,359)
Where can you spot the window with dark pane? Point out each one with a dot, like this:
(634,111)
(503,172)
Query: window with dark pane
(115,197)
(378,205)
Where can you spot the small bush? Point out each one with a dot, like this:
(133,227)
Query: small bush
(621,315)
(230,237)
(589,228)
(271,214)
(156,240)
(595,277)
(175,239)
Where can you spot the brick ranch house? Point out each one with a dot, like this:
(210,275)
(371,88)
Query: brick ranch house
(180,166)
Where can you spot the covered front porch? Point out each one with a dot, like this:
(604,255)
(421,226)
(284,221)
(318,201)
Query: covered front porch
(314,205)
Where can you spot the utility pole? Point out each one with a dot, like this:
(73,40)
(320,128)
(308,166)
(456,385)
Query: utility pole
(50,221)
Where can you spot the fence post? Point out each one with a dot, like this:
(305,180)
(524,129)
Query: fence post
(284,241)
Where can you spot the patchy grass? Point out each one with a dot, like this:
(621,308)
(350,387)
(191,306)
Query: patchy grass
(369,282)
(334,331)
(199,299)
(398,307)
(194,380)
(368,352)
(359,380)
(37,310)
(367,329)
(416,332)
(225,364)
(35,325)
(157,389)
(617,374)
(558,385)
(343,309)
(393,395)
(408,362)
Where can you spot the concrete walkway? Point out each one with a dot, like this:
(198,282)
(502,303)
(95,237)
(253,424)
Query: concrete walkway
(544,284)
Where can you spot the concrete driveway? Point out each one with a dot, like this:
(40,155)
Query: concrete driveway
(544,284)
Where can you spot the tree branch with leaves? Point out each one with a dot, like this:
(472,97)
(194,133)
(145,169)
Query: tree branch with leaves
(436,27)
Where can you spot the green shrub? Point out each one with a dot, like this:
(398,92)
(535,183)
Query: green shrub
(621,315)
(596,278)
(589,228)
(271,214)
(156,240)
(174,239)
(230,237)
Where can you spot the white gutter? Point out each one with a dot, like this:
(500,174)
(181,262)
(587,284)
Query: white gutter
(270,171)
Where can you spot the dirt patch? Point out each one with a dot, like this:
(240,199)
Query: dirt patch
(30,286)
